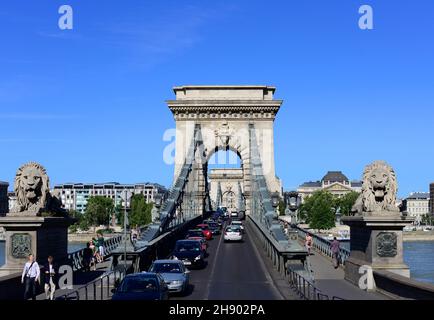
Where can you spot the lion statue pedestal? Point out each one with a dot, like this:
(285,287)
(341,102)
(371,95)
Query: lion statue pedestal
(37,224)
(376,228)
(42,236)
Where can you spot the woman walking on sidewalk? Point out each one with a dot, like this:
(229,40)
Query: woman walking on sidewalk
(336,249)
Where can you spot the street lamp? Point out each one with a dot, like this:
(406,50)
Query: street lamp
(275,199)
(126,223)
(292,206)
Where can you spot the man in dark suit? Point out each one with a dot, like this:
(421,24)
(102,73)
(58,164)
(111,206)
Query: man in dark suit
(50,272)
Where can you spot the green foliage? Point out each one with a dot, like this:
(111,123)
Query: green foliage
(319,210)
(140,213)
(427,219)
(347,202)
(98,211)
(119,213)
(81,223)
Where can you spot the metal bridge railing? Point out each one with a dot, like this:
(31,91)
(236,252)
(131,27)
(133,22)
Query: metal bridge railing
(98,289)
(304,288)
(323,245)
(75,259)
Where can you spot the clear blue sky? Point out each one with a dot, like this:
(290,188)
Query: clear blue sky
(89,103)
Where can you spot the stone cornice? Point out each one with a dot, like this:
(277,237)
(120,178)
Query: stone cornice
(224,109)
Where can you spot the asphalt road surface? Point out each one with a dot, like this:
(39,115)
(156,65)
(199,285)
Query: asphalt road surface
(234,271)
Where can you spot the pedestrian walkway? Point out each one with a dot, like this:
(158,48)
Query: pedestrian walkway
(332,283)
(80,279)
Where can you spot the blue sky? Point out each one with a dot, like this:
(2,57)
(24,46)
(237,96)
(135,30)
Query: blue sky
(88,103)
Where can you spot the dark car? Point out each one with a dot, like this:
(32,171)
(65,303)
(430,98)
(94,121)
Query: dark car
(190,252)
(141,286)
(215,227)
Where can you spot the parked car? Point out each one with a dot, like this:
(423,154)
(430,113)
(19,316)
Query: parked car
(189,252)
(206,230)
(238,223)
(233,233)
(174,273)
(141,286)
(234,214)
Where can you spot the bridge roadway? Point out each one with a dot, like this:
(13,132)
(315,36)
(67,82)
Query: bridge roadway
(237,271)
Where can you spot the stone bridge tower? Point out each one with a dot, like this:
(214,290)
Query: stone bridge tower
(224,113)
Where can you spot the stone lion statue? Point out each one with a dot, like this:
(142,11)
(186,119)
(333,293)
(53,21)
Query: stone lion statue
(33,192)
(378,191)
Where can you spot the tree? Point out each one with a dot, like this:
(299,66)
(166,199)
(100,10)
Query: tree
(347,202)
(98,211)
(140,213)
(427,219)
(81,223)
(319,210)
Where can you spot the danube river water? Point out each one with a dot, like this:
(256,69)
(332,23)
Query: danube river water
(419,256)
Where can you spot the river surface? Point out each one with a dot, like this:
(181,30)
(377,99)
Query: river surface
(418,255)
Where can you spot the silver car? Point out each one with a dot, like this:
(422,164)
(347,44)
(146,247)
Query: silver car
(174,273)
(233,233)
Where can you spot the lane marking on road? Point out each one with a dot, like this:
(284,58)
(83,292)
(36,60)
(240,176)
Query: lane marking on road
(211,275)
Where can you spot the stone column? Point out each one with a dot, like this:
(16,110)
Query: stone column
(377,225)
(377,242)
(41,236)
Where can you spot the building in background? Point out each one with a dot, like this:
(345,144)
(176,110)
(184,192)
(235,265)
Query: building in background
(417,205)
(431,197)
(12,200)
(74,196)
(334,182)
(4,201)
(228,180)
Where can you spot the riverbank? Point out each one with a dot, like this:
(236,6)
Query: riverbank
(86,237)
(418,236)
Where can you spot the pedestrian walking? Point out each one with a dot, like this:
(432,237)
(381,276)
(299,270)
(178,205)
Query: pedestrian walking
(30,278)
(336,249)
(87,257)
(308,243)
(50,280)
(100,246)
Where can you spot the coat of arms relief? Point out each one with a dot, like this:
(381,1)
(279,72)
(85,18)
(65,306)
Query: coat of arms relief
(224,133)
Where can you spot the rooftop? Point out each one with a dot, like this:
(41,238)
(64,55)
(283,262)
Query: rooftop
(224,92)
(335,176)
(419,196)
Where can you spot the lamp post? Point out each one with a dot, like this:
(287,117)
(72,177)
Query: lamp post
(126,222)
(293,204)
(275,199)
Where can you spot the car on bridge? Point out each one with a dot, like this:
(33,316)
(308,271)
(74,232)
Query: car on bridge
(203,242)
(238,223)
(195,233)
(206,230)
(141,286)
(189,252)
(213,226)
(174,273)
(233,233)
(234,214)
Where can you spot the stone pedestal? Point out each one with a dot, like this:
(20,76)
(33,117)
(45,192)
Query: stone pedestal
(42,236)
(376,241)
